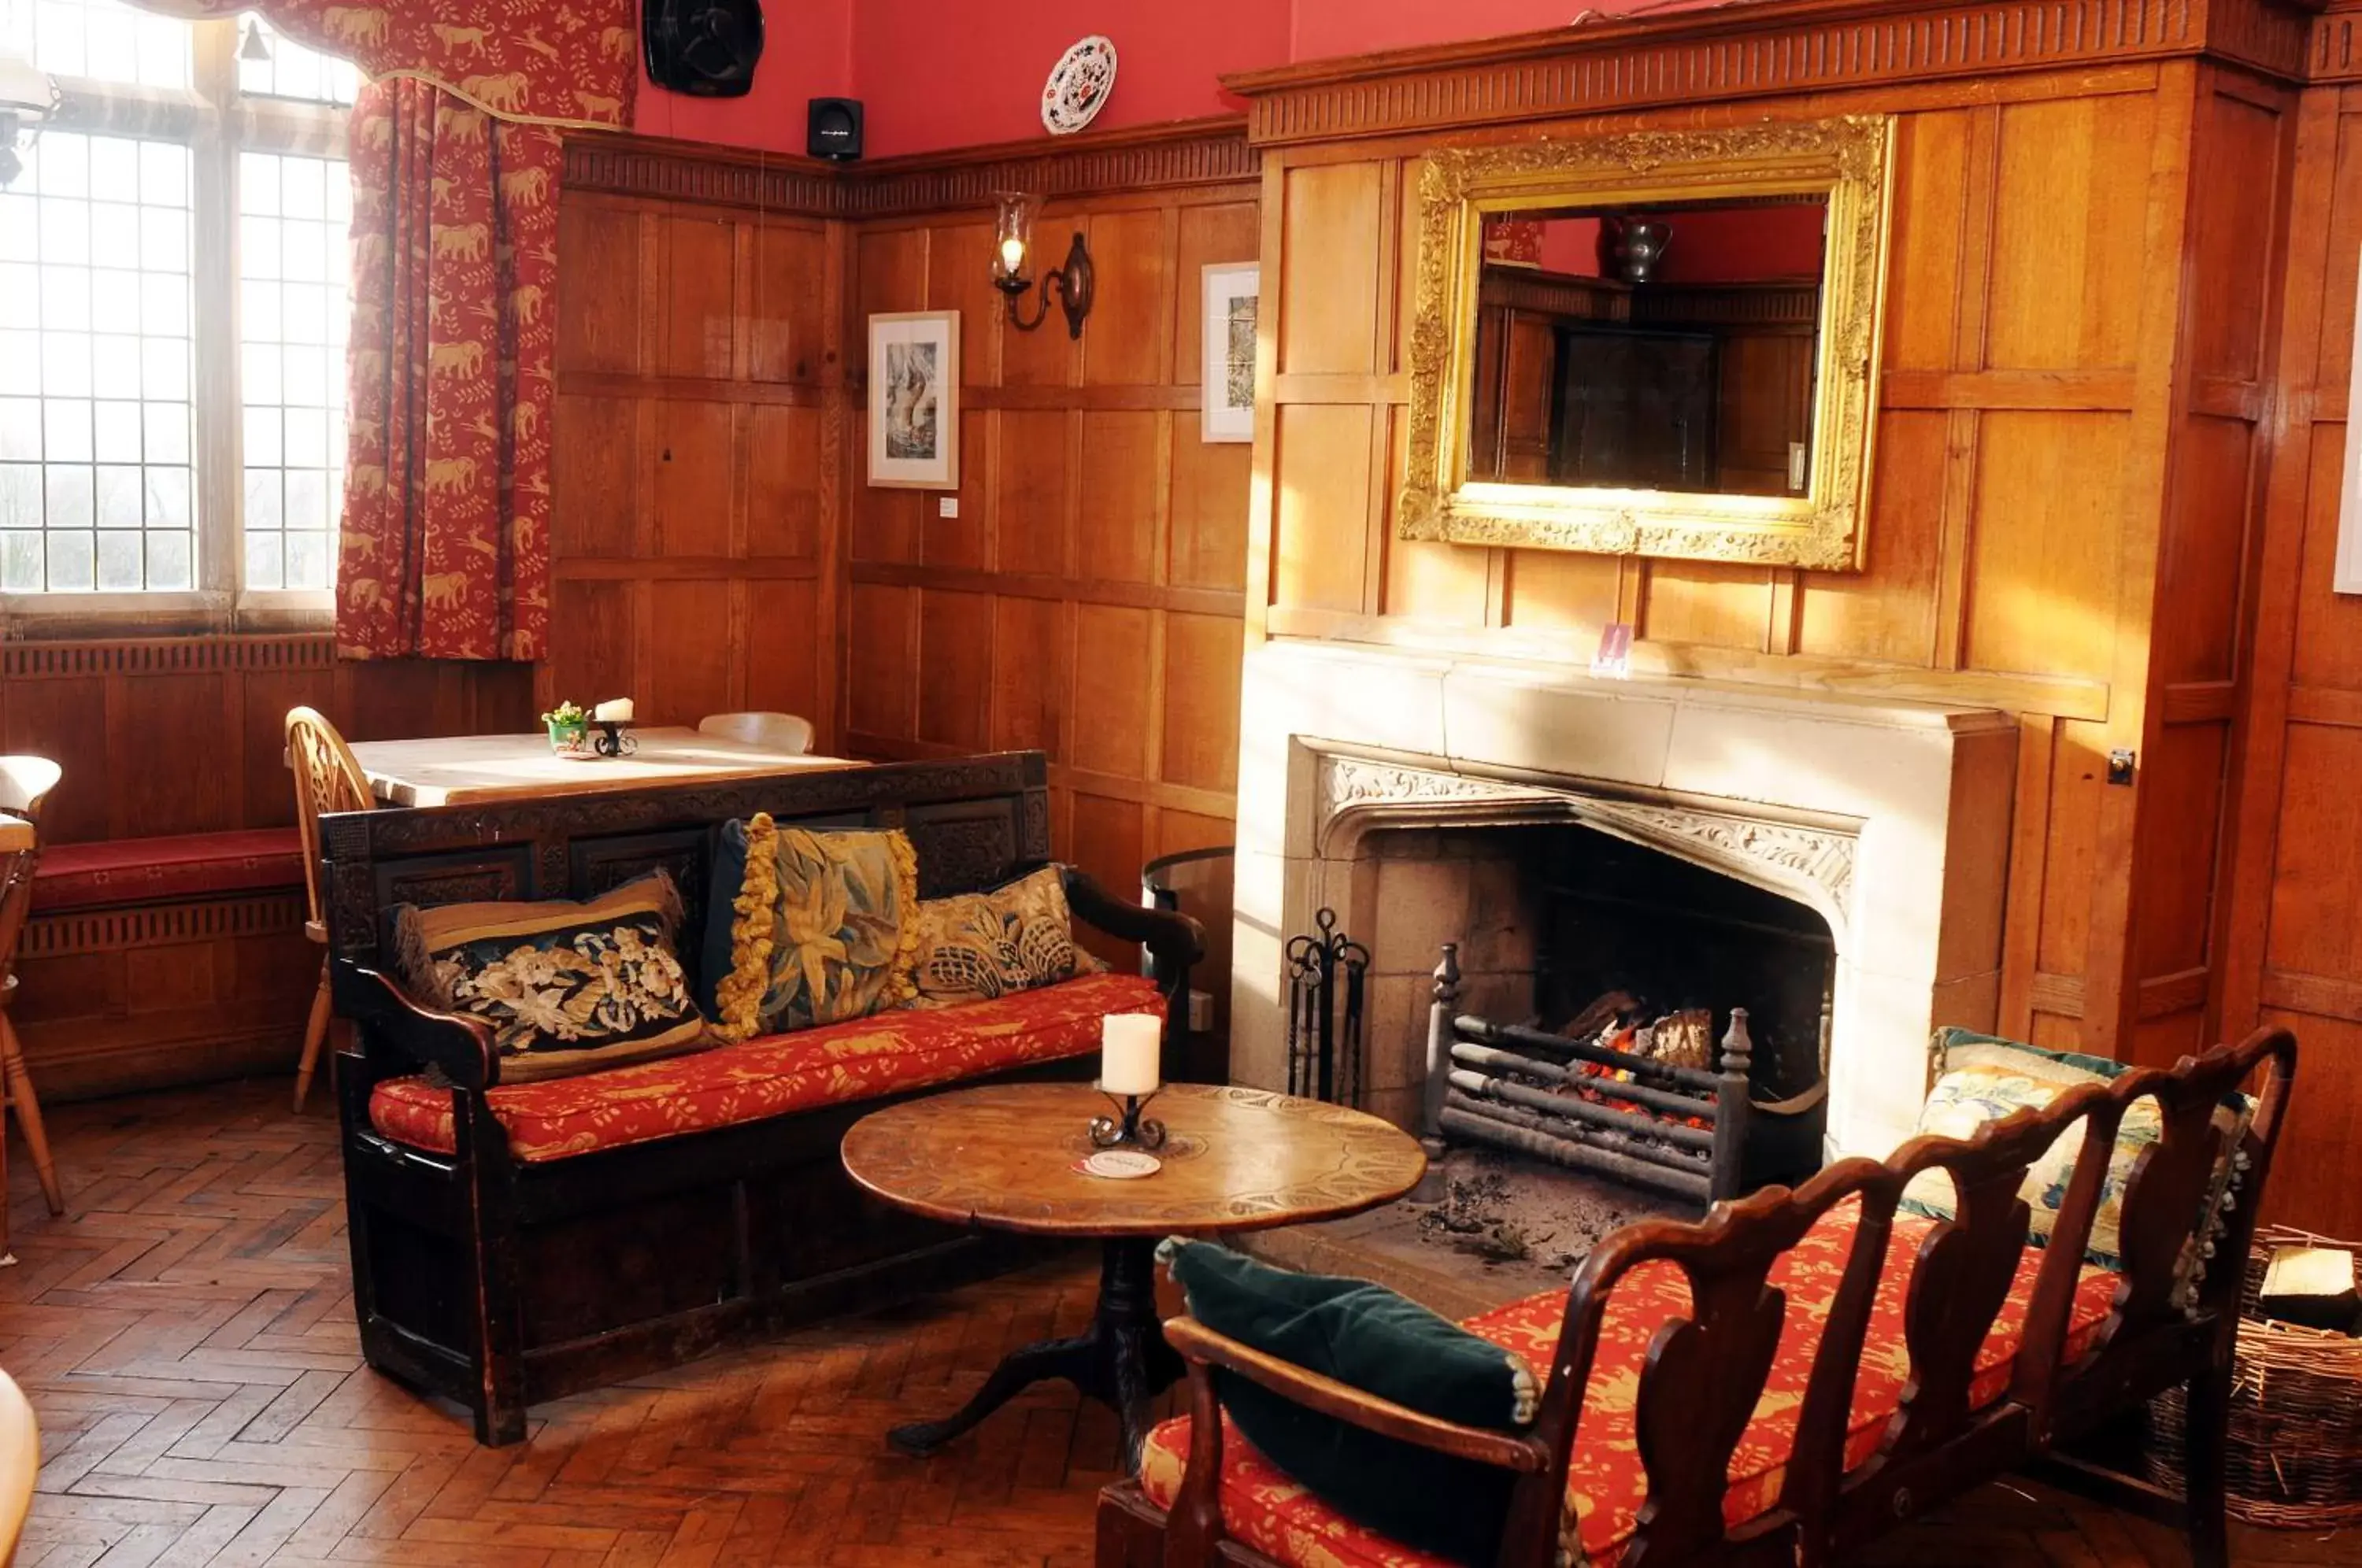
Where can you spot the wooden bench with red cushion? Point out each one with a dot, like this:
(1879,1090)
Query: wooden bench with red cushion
(114,872)
(514,1242)
(1787,1379)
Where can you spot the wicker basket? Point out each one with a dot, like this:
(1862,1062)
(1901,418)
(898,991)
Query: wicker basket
(2295,1445)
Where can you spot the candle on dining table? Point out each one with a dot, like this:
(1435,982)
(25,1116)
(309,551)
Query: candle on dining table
(618,712)
(1129,1045)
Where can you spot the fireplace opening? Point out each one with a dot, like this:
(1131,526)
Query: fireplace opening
(1629,929)
(1678,1036)
(1596,982)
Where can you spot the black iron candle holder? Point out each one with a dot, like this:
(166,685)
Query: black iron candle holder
(611,741)
(1128,1128)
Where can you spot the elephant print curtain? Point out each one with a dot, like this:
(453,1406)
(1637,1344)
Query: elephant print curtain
(445,552)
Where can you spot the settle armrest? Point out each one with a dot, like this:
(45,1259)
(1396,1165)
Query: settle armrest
(1202,1347)
(1174,939)
(462,1047)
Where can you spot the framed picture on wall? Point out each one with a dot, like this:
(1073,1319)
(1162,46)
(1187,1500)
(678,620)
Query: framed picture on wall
(914,386)
(1227,370)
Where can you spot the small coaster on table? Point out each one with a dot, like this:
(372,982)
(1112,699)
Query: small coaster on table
(1119,1164)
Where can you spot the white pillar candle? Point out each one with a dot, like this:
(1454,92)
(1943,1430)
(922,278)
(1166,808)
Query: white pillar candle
(618,712)
(1129,1045)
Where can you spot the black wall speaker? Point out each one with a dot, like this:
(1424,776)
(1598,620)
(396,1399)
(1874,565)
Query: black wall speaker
(706,46)
(832,129)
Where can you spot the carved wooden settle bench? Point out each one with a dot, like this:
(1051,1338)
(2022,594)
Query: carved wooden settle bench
(501,1263)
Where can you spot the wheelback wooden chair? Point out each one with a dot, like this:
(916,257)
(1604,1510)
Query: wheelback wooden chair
(328,778)
(24,785)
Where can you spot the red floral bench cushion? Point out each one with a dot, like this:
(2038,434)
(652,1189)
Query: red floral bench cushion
(1605,1483)
(777,1074)
(159,870)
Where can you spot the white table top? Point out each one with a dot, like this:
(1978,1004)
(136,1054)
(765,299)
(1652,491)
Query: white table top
(454,770)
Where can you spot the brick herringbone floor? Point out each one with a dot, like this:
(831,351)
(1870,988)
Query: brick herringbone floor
(186,1337)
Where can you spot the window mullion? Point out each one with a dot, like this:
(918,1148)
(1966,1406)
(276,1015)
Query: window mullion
(214,152)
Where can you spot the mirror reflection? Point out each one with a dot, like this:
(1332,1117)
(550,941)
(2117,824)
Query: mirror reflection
(1668,347)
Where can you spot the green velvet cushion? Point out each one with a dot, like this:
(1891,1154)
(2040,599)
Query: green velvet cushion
(1374,1340)
(1983,1078)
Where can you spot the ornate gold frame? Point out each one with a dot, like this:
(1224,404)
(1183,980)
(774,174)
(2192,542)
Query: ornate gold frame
(1849,160)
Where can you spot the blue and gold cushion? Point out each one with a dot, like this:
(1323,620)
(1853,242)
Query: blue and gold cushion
(1984,1078)
(822,927)
(565,987)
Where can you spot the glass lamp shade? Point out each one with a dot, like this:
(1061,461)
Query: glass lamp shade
(1012,241)
(27,94)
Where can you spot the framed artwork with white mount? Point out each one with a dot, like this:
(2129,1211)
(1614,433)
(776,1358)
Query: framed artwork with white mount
(1227,373)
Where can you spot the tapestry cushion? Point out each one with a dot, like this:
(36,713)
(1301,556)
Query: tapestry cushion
(164,869)
(567,987)
(1606,1485)
(974,946)
(888,1054)
(1982,1078)
(821,926)
(1370,1338)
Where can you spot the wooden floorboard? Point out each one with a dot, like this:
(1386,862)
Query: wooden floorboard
(185,1334)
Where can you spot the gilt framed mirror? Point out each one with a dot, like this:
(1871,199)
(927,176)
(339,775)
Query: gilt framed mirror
(1660,342)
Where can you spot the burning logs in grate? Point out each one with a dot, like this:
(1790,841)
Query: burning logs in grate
(1650,1120)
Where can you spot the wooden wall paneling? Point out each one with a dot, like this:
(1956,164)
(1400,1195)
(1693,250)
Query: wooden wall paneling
(696,494)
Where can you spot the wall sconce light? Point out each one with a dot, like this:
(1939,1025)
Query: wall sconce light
(27,97)
(1012,268)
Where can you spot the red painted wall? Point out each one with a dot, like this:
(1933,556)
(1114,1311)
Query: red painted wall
(942,73)
(938,73)
(1744,245)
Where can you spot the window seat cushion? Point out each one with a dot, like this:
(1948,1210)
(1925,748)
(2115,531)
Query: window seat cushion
(860,1059)
(161,871)
(1606,1485)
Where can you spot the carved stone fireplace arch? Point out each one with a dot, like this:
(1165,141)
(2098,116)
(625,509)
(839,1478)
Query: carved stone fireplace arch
(1805,856)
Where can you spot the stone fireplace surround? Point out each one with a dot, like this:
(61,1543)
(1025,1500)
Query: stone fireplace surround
(1890,818)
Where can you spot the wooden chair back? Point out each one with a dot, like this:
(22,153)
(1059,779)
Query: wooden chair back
(1706,1372)
(327,778)
(25,786)
(774,732)
(1705,1375)
(20,1463)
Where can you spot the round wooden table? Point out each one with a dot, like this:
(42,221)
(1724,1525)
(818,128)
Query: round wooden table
(1235,1159)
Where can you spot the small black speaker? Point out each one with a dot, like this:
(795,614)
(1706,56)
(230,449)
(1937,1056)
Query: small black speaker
(703,46)
(832,129)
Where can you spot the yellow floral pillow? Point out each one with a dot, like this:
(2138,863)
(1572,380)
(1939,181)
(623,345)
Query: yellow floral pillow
(975,946)
(567,987)
(822,930)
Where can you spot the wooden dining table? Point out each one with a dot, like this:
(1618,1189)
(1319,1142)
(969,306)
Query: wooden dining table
(454,770)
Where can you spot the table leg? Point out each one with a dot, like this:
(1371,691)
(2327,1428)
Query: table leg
(1121,1361)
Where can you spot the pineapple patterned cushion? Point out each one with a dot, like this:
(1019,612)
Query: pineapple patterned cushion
(974,947)
(565,987)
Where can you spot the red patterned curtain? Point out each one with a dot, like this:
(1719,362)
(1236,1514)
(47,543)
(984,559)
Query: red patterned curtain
(445,547)
(455,159)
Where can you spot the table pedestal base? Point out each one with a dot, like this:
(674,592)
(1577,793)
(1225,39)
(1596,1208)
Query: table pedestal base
(1122,1362)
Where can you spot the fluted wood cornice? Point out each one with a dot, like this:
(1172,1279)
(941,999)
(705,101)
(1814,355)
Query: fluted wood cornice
(1188,152)
(1728,54)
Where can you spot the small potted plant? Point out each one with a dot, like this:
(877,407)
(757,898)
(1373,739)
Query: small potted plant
(568,724)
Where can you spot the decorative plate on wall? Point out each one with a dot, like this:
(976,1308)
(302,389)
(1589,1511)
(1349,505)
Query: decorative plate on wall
(1079,86)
